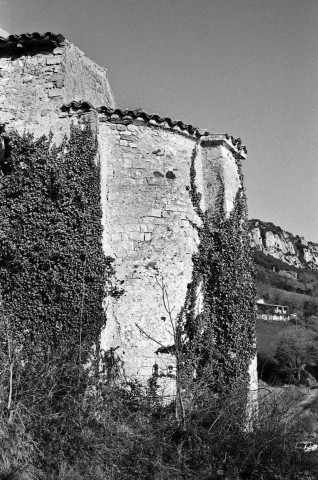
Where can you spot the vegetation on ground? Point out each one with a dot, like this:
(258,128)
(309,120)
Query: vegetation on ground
(296,348)
(281,284)
(66,424)
(297,292)
(65,413)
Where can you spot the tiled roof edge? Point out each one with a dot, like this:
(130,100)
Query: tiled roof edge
(147,118)
(31,38)
(134,114)
(78,105)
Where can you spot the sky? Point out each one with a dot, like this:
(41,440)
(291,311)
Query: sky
(244,67)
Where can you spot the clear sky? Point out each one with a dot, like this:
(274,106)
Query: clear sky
(246,67)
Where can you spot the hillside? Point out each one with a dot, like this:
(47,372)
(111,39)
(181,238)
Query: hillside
(285,273)
(291,249)
(285,268)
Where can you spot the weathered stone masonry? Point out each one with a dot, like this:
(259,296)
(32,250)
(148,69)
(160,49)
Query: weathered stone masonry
(38,73)
(148,216)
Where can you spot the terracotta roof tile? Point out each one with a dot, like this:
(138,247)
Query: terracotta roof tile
(30,39)
(128,116)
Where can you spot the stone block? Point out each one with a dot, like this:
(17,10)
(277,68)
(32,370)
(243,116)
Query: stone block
(54,60)
(127,163)
(59,83)
(140,163)
(28,78)
(171,208)
(155,212)
(132,128)
(182,209)
(55,93)
(153,181)
(135,173)
(58,51)
(137,236)
(126,245)
(131,227)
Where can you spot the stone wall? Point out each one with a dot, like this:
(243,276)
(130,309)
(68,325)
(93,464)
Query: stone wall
(148,217)
(150,226)
(37,78)
(220,173)
(84,79)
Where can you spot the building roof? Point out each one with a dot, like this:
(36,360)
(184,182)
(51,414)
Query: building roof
(128,116)
(30,40)
(270,304)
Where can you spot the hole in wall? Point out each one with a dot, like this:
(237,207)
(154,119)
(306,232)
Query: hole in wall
(158,174)
(170,175)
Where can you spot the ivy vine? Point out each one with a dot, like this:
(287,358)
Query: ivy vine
(222,334)
(53,271)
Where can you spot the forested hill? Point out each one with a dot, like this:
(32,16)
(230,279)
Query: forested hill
(286,268)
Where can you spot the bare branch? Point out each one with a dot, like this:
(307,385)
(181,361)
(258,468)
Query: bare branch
(149,336)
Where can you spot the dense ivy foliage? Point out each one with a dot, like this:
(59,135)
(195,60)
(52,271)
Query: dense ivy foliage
(222,331)
(52,267)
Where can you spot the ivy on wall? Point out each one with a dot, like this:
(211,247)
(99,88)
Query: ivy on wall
(52,268)
(221,332)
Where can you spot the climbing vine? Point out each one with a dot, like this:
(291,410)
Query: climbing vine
(52,268)
(222,332)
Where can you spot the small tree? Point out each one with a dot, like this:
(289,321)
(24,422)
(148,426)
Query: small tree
(310,308)
(297,347)
(312,323)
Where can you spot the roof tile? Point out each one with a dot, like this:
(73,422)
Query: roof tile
(128,116)
(30,39)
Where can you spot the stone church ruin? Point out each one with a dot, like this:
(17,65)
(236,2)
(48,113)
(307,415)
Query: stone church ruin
(150,222)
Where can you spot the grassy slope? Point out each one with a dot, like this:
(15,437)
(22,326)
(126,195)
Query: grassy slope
(277,289)
(267,335)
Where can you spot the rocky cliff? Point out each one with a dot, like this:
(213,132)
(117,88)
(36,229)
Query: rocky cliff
(3,33)
(291,249)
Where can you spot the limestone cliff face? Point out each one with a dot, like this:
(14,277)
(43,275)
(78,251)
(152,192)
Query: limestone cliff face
(3,33)
(291,249)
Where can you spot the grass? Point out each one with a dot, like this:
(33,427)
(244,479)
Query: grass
(267,334)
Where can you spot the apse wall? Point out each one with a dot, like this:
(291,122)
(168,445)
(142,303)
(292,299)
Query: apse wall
(149,167)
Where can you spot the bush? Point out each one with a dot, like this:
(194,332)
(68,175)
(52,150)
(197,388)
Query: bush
(90,428)
(311,308)
(296,348)
(267,369)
